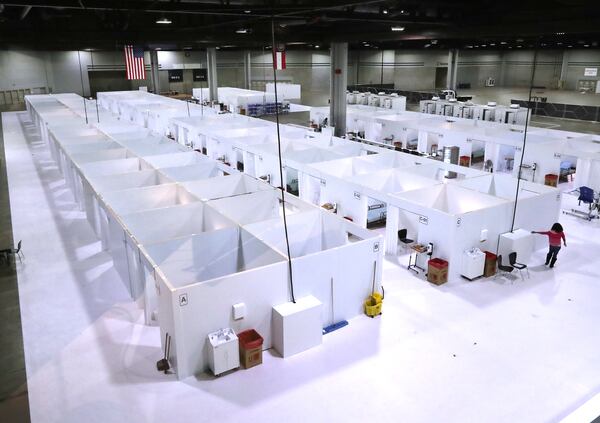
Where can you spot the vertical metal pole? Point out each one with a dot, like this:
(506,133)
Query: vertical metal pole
(211,58)
(154,72)
(82,88)
(338,87)
(247,70)
(512,226)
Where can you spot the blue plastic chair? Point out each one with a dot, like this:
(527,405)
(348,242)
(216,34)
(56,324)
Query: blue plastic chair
(586,195)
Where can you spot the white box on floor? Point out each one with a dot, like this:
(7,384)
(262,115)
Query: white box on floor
(297,327)
(223,351)
(473,262)
(519,241)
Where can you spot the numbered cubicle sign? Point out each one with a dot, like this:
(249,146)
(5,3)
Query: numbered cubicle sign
(200,75)
(176,75)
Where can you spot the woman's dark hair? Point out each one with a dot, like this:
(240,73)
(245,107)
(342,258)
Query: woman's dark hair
(557,227)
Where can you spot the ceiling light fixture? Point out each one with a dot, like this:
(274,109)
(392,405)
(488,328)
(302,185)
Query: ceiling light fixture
(241,31)
(317,46)
(164,21)
(384,11)
(503,43)
(247,11)
(398,28)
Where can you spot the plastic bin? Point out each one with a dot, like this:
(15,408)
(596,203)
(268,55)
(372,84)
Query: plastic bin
(437,271)
(490,264)
(373,304)
(250,348)
(551,180)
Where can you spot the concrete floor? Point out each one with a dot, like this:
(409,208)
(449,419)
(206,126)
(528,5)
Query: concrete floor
(490,350)
(14,405)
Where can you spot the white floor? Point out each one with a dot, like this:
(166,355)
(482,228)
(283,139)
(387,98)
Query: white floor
(484,351)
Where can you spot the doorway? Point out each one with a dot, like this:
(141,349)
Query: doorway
(441,77)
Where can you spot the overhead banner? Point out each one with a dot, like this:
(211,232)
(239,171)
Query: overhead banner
(590,72)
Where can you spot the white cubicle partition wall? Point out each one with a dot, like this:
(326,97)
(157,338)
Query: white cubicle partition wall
(140,228)
(205,275)
(96,186)
(225,186)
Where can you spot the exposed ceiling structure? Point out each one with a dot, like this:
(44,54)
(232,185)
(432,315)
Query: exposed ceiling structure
(176,24)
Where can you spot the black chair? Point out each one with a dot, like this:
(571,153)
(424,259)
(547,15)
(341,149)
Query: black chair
(512,259)
(503,269)
(402,237)
(5,254)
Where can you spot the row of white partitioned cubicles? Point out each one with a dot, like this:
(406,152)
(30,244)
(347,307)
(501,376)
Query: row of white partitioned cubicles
(491,146)
(456,208)
(191,236)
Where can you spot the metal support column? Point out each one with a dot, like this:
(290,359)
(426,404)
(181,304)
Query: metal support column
(211,60)
(154,72)
(563,70)
(247,70)
(452,69)
(338,87)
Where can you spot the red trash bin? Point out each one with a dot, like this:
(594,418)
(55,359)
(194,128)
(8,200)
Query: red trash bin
(437,271)
(490,264)
(250,348)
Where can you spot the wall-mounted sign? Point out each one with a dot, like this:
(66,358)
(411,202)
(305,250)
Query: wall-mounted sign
(376,247)
(357,195)
(423,220)
(590,72)
(200,75)
(183,300)
(176,75)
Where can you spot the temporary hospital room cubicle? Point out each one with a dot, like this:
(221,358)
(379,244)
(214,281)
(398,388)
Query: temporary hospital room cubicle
(225,186)
(325,184)
(452,219)
(192,131)
(119,203)
(186,166)
(399,129)
(222,145)
(199,278)
(377,187)
(112,178)
(541,158)
(233,266)
(78,160)
(581,156)
(538,206)
(141,228)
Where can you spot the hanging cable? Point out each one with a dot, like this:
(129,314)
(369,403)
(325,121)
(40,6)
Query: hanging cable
(82,89)
(281,181)
(535,53)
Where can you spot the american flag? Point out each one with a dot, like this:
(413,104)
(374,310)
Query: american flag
(134,62)
(278,59)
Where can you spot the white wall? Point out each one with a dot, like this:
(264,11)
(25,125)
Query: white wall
(406,69)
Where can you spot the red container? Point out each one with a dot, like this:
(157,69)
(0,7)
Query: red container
(437,271)
(551,179)
(438,263)
(250,348)
(490,264)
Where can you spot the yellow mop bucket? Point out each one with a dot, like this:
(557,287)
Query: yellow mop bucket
(374,302)
(373,305)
